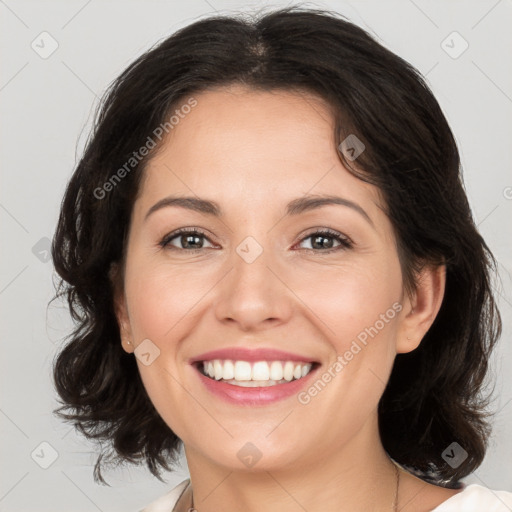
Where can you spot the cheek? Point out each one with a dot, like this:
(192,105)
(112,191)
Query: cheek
(162,300)
(355,301)
(358,312)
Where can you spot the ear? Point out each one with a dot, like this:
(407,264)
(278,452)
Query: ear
(421,308)
(120,308)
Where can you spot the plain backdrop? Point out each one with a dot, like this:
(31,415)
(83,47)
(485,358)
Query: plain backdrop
(46,106)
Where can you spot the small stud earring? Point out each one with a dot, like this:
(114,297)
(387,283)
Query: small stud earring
(128,342)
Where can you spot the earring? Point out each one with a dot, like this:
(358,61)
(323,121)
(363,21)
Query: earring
(128,342)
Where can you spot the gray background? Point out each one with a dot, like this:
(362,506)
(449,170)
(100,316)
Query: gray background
(46,106)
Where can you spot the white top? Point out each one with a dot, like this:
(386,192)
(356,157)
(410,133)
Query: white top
(474,498)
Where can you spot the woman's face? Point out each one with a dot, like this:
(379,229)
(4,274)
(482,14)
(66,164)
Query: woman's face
(257,277)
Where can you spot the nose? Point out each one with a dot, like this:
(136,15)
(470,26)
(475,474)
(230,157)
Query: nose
(253,295)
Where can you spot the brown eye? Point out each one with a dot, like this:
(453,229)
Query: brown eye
(323,241)
(189,239)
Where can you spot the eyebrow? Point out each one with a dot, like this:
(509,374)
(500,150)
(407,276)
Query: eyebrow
(294,207)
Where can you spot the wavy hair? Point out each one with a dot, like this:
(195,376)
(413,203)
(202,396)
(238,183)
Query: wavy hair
(435,393)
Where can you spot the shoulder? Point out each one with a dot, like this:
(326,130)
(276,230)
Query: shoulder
(475,498)
(167,502)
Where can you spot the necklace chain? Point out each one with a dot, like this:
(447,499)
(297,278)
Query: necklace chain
(395,508)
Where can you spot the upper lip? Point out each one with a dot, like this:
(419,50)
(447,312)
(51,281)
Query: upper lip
(245,354)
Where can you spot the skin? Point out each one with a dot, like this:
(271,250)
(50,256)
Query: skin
(252,152)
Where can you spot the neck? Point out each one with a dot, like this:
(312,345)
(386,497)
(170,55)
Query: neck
(358,476)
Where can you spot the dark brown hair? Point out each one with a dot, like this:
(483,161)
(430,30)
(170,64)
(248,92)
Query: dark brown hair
(434,395)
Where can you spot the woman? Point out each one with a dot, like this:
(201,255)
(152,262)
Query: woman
(272,261)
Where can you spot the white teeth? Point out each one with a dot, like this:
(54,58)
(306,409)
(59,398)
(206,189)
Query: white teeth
(254,383)
(242,370)
(217,367)
(276,370)
(288,371)
(229,370)
(260,373)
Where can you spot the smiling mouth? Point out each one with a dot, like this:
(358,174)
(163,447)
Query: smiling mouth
(254,374)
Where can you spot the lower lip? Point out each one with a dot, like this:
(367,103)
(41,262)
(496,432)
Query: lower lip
(254,396)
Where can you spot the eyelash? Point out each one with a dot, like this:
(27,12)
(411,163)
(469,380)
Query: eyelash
(345,242)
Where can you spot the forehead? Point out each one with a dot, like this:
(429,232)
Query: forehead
(238,144)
